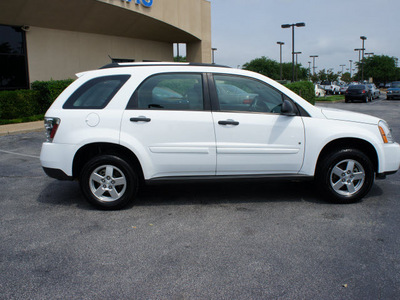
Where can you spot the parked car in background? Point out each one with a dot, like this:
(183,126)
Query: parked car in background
(343,89)
(394,91)
(358,92)
(330,87)
(374,91)
(319,91)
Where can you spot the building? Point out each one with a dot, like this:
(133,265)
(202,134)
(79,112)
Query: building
(54,39)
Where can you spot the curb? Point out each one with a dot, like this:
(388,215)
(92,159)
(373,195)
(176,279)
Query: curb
(21,128)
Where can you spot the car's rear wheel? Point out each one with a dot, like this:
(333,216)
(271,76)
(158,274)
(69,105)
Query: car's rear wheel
(108,182)
(345,176)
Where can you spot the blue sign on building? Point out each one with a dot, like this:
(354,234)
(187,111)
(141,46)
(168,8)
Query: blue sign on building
(146,3)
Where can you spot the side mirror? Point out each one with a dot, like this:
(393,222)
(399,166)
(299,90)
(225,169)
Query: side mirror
(288,108)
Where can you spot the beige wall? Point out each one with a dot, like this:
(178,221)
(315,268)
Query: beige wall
(192,16)
(58,54)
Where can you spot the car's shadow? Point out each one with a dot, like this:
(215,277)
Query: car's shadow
(69,193)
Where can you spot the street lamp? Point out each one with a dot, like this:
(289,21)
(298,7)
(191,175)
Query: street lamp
(369,53)
(363,38)
(351,61)
(302,24)
(313,64)
(213,50)
(342,67)
(296,53)
(280,46)
(359,53)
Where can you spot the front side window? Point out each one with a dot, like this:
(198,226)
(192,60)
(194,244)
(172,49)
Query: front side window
(179,91)
(237,93)
(96,93)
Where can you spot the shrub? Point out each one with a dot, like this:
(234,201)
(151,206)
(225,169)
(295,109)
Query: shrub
(305,89)
(49,91)
(20,103)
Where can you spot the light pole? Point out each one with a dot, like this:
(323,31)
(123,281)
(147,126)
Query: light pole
(213,50)
(363,38)
(342,67)
(313,64)
(296,53)
(280,46)
(309,69)
(351,61)
(302,24)
(177,52)
(359,53)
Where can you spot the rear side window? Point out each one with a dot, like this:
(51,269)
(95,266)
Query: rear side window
(173,91)
(96,93)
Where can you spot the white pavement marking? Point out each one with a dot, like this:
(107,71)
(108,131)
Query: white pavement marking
(20,154)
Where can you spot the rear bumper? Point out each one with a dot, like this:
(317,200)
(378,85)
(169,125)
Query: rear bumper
(57,174)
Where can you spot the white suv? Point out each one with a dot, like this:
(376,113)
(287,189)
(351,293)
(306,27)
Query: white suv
(128,123)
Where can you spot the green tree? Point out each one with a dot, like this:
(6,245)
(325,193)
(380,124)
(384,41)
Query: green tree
(180,58)
(381,68)
(271,68)
(346,77)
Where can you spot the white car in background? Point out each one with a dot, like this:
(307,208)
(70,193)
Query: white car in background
(132,123)
(330,87)
(319,91)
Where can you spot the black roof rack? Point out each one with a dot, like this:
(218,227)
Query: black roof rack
(152,64)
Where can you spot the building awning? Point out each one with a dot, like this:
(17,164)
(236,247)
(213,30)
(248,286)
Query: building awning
(91,16)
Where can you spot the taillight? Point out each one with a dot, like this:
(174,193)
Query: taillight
(51,126)
(363,92)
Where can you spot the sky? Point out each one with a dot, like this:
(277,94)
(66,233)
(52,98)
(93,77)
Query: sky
(246,29)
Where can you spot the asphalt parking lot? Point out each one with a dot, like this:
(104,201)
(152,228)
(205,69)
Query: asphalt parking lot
(250,240)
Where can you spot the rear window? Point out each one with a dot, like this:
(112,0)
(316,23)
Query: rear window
(96,93)
(356,87)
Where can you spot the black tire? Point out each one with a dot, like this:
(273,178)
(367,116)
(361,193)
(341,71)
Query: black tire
(114,180)
(345,176)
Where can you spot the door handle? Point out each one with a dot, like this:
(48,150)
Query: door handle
(228,122)
(140,119)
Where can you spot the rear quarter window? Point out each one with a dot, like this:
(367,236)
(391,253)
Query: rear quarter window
(96,93)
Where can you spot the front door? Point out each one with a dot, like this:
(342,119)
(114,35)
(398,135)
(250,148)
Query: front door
(253,137)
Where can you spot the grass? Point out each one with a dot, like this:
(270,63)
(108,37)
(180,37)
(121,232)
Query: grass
(331,98)
(22,120)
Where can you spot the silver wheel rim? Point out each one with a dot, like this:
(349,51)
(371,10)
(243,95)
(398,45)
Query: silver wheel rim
(107,183)
(347,177)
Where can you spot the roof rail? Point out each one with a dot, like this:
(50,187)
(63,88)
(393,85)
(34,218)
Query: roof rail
(152,64)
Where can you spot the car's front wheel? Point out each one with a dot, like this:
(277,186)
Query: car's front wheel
(108,182)
(345,176)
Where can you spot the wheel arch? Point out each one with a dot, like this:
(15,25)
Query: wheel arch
(86,152)
(345,143)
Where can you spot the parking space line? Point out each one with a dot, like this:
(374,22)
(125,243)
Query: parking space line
(20,154)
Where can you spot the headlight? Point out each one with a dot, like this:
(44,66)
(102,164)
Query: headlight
(385,131)
(389,92)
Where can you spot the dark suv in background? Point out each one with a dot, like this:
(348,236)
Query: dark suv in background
(358,92)
(393,91)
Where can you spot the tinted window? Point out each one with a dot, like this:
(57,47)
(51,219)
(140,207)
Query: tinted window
(237,93)
(357,87)
(13,64)
(96,93)
(180,91)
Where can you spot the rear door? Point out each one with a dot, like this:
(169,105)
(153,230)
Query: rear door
(168,124)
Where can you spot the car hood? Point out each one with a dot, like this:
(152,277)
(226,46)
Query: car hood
(344,115)
(393,89)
